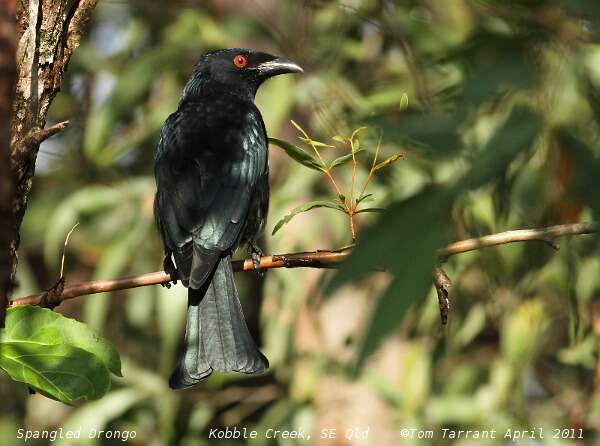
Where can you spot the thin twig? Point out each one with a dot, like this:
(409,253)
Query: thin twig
(315,259)
(62,262)
(351,207)
(546,235)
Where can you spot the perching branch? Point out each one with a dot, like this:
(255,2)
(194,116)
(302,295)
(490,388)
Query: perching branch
(546,235)
(314,259)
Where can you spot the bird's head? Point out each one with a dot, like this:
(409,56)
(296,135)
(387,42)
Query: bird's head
(236,70)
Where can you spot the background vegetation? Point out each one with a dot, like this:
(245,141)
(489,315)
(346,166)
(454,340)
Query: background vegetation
(500,131)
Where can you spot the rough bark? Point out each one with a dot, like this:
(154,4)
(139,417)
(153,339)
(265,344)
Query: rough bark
(48,31)
(7,80)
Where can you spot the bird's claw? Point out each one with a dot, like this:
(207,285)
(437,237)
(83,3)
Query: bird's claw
(256,253)
(171,271)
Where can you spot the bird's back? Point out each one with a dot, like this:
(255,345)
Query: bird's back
(210,160)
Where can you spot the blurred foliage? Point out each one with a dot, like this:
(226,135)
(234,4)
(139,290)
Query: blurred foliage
(501,131)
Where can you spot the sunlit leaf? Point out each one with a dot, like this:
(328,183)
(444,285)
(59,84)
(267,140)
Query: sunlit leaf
(404,101)
(356,132)
(35,324)
(304,208)
(315,143)
(300,129)
(388,161)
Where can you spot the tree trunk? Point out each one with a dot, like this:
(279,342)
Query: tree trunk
(7,80)
(47,31)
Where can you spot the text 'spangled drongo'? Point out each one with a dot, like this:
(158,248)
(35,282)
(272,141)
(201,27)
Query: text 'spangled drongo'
(211,169)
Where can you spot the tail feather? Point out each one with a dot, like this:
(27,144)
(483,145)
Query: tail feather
(217,337)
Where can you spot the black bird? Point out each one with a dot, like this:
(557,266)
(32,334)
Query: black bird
(211,169)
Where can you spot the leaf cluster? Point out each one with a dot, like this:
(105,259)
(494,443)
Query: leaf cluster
(347,200)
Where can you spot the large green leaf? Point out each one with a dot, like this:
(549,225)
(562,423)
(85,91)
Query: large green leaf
(387,242)
(412,281)
(45,327)
(304,208)
(297,154)
(516,134)
(59,371)
(435,133)
(405,239)
(494,64)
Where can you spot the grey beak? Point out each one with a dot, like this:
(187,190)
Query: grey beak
(277,66)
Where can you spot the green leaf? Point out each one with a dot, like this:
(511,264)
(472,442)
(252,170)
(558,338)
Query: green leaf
(385,243)
(516,134)
(315,143)
(404,101)
(343,159)
(61,371)
(404,240)
(46,327)
(493,64)
(339,138)
(297,154)
(356,132)
(366,198)
(388,161)
(370,210)
(304,208)
(406,237)
(433,133)
(297,126)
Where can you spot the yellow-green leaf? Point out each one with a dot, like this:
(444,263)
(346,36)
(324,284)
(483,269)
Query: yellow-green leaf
(304,208)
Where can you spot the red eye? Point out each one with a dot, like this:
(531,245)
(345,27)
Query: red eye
(240,61)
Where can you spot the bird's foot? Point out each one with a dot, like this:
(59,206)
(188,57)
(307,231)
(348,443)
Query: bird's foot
(170,269)
(256,253)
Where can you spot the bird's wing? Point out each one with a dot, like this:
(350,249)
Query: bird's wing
(206,170)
